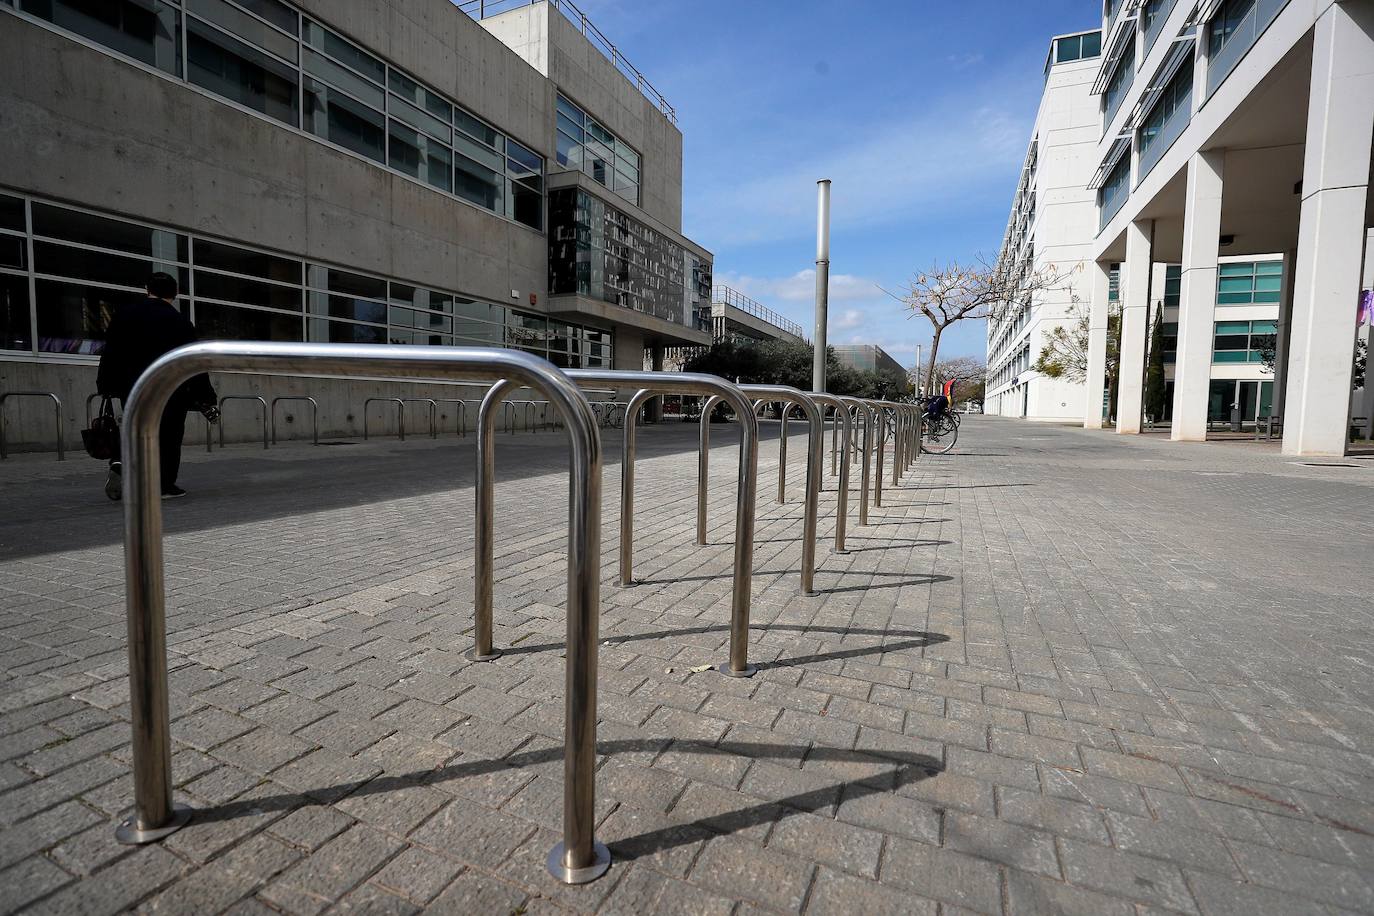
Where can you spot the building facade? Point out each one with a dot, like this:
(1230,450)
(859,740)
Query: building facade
(1050,229)
(870,358)
(1231,130)
(395,171)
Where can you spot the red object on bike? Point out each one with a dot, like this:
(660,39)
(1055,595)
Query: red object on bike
(948,389)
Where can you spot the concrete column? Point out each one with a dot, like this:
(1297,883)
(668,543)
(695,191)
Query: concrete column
(1197,302)
(1335,183)
(1282,337)
(655,406)
(1096,380)
(1135,323)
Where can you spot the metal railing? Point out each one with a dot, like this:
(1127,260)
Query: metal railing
(400,415)
(57,414)
(480,9)
(736,299)
(578,858)
(654,384)
(242,397)
(815,460)
(314,414)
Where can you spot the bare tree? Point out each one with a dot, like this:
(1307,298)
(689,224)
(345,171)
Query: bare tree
(955,292)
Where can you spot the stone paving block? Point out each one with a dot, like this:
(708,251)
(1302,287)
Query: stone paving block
(473,833)
(817,836)
(475,892)
(117,887)
(1171,842)
(943,875)
(644,891)
(1060,816)
(998,841)
(1027,893)
(316,881)
(310,827)
(744,871)
(836,893)
(417,875)
(1126,875)
(32,878)
(1334,884)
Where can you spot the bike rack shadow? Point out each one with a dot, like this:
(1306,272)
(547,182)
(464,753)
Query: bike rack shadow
(906,769)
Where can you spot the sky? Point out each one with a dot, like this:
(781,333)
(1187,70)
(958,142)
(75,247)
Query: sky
(919,111)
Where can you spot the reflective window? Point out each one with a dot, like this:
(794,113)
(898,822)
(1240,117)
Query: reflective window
(342,119)
(1249,282)
(14,312)
(215,321)
(240,72)
(146,30)
(585,145)
(1177,96)
(1224,23)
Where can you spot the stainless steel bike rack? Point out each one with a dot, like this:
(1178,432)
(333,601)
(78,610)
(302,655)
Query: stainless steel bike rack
(460,412)
(655,384)
(578,858)
(789,398)
(846,434)
(400,415)
(314,414)
(241,397)
(57,414)
(433,413)
(867,415)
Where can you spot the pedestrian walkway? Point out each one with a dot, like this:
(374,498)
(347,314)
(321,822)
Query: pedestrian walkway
(1059,672)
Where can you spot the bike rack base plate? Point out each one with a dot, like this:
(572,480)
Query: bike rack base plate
(473,655)
(582,875)
(128,833)
(725,669)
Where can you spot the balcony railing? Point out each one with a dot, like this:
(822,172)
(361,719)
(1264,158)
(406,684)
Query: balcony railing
(736,299)
(1239,41)
(481,9)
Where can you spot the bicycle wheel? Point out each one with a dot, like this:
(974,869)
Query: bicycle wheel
(938,436)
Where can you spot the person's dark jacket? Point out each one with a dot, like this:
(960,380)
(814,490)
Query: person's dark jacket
(139,333)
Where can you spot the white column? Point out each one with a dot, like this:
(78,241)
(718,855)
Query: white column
(1335,183)
(1283,338)
(1197,302)
(1135,320)
(1097,344)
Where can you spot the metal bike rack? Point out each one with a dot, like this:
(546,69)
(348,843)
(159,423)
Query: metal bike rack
(241,397)
(846,434)
(400,415)
(789,398)
(314,414)
(867,415)
(433,413)
(57,414)
(655,384)
(578,858)
(461,412)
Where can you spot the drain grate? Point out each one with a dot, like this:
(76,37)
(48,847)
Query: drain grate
(338,443)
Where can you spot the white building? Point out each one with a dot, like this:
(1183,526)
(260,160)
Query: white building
(1232,129)
(1053,220)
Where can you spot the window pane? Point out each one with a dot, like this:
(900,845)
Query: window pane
(253,292)
(421,298)
(1068,49)
(75,226)
(12,213)
(475,128)
(478,184)
(1231,342)
(1091,45)
(347,307)
(479,311)
(572,130)
(146,31)
(14,252)
(343,78)
(245,261)
(419,96)
(227,322)
(241,25)
(237,71)
(321,331)
(526,160)
(571,112)
(275,12)
(420,156)
(15,332)
(1235,298)
(1235,284)
(527,205)
(339,48)
(419,120)
(1272,283)
(72,317)
(99,266)
(569,152)
(1264,327)
(1269,267)
(492,160)
(341,281)
(340,119)
(1266,296)
(1236,269)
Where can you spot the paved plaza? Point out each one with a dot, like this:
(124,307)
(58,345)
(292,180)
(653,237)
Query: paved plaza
(1058,672)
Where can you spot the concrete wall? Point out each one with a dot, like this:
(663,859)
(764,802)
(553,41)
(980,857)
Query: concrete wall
(551,44)
(90,129)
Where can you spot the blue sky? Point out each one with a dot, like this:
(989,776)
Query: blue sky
(919,111)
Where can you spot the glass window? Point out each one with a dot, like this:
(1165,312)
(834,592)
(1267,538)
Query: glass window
(585,145)
(347,307)
(524,164)
(420,120)
(343,78)
(146,30)
(88,229)
(72,317)
(420,298)
(474,151)
(14,313)
(420,156)
(1178,94)
(1068,49)
(228,322)
(240,72)
(1225,22)
(321,331)
(342,281)
(241,25)
(475,128)
(478,184)
(1091,45)
(344,51)
(275,12)
(1235,284)
(340,119)
(211,285)
(527,205)
(12,213)
(14,252)
(246,261)
(419,96)
(99,266)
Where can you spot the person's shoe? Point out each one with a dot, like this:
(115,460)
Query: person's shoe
(173,492)
(114,481)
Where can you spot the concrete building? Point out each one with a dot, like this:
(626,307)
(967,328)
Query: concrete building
(392,170)
(1051,224)
(734,316)
(1232,130)
(870,358)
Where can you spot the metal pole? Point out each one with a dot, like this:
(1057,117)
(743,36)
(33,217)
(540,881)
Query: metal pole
(703,462)
(842,497)
(917,380)
(882,447)
(815,459)
(862,415)
(782,456)
(822,283)
(627,487)
(484,524)
(578,858)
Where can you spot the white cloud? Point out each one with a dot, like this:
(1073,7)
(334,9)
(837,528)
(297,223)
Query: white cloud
(801,286)
(849,318)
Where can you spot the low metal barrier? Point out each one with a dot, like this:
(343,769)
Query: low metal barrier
(790,399)
(846,426)
(654,384)
(865,419)
(578,858)
(400,415)
(433,413)
(314,414)
(460,412)
(57,415)
(262,402)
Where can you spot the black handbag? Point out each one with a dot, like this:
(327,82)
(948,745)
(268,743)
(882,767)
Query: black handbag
(102,438)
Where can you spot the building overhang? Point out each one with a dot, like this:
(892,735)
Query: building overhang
(749,325)
(612,317)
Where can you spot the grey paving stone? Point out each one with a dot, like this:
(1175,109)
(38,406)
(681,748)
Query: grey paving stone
(944,875)
(1126,875)
(840,893)
(742,870)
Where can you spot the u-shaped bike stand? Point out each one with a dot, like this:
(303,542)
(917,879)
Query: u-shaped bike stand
(57,415)
(262,402)
(314,414)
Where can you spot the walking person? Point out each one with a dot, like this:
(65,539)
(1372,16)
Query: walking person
(139,333)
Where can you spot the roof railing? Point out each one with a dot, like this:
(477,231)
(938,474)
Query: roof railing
(736,299)
(481,9)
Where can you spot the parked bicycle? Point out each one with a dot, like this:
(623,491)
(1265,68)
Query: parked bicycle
(939,425)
